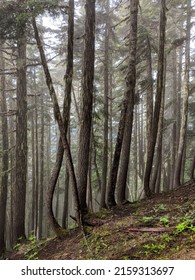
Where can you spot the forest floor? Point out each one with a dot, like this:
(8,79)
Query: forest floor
(162,227)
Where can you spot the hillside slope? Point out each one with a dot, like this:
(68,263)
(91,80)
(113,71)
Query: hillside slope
(162,227)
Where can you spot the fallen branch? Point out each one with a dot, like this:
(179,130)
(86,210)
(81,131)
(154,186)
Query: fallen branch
(144,229)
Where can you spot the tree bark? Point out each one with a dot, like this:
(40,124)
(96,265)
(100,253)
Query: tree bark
(5,158)
(126,118)
(156,178)
(155,122)
(21,138)
(41,188)
(106,92)
(180,152)
(64,140)
(86,103)
(192,176)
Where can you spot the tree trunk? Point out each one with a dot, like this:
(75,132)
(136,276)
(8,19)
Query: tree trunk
(155,123)
(41,188)
(135,156)
(178,164)
(33,174)
(174,116)
(21,139)
(106,92)
(64,140)
(155,183)
(86,103)
(126,119)
(5,158)
(149,96)
(192,176)
(66,114)
(66,200)
(36,163)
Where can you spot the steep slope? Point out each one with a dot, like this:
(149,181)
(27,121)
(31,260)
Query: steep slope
(162,227)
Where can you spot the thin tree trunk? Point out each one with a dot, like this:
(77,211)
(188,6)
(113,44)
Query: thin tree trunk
(63,136)
(192,176)
(66,114)
(33,174)
(149,98)
(42,152)
(135,155)
(155,181)
(66,200)
(155,123)
(106,92)
(5,158)
(36,163)
(180,152)
(174,116)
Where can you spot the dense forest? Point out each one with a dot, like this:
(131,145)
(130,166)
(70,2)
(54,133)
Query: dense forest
(97,109)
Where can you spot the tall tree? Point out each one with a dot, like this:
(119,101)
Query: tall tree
(106,93)
(86,103)
(60,122)
(5,157)
(159,90)
(21,132)
(66,115)
(183,128)
(127,111)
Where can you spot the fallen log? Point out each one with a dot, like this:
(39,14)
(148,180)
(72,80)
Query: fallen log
(147,229)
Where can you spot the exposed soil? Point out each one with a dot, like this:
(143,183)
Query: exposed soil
(162,227)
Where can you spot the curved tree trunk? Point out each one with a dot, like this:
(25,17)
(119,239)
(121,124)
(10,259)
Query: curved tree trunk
(125,124)
(63,136)
(66,115)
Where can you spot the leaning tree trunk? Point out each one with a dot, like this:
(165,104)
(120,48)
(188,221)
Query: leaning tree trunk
(183,128)
(63,132)
(86,103)
(127,110)
(5,157)
(66,115)
(155,123)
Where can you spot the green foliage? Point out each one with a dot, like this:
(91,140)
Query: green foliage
(154,248)
(165,220)
(166,237)
(160,208)
(183,226)
(18,245)
(147,220)
(32,249)
(13,17)
(95,243)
